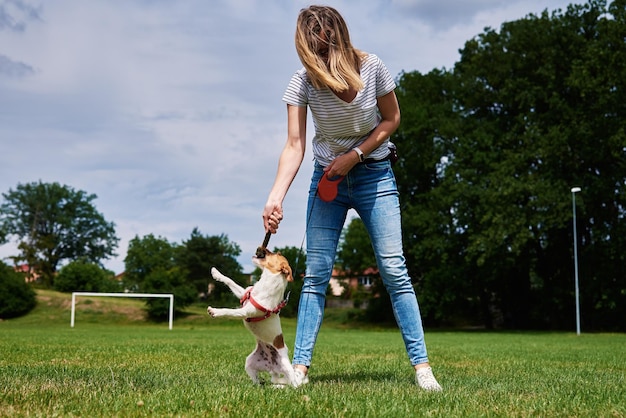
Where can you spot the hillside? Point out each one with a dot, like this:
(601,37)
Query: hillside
(55,308)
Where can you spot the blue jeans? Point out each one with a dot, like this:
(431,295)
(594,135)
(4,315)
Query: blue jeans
(372,191)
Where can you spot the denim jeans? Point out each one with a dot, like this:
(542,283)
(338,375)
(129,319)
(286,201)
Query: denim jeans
(372,191)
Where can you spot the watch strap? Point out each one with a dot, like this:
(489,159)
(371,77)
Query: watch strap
(359,153)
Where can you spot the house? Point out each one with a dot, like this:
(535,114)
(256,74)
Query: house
(342,280)
(29,273)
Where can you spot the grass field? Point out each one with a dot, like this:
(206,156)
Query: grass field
(113,363)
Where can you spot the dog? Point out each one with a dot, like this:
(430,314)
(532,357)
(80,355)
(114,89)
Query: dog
(260,305)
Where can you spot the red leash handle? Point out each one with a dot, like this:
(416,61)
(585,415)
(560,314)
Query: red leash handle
(327,187)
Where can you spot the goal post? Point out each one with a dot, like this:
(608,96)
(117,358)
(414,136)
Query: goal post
(124,295)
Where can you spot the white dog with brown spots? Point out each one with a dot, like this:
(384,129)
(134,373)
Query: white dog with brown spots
(260,305)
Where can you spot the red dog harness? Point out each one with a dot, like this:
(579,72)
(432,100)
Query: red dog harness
(248,296)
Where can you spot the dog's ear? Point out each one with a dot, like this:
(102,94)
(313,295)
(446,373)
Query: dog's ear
(285,268)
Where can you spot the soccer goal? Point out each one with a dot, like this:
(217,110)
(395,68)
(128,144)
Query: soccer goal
(124,295)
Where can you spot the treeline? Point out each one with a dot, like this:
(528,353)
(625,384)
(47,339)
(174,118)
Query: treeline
(490,150)
(63,241)
(152,265)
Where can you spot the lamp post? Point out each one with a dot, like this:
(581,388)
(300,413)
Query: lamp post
(574,191)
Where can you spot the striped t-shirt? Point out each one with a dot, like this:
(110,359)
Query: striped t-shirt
(341,126)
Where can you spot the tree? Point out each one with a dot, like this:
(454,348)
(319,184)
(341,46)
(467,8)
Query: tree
(355,253)
(544,104)
(145,255)
(527,112)
(54,223)
(151,268)
(433,242)
(83,276)
(17,298)
(200,253)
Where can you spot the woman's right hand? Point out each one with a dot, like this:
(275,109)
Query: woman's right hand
(272,215)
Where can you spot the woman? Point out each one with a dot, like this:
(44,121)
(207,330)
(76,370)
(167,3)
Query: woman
(355,111)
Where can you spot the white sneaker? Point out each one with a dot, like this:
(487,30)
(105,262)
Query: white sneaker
(426,380)
(300,378)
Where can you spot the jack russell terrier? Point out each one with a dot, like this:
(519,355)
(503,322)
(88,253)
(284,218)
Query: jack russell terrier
(260,305)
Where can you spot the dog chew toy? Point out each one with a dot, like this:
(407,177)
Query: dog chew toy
(327,187)
(260,251)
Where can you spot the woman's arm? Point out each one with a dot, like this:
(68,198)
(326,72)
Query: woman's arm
(288,165)
(390,113)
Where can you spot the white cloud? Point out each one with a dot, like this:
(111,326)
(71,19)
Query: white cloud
(171,112)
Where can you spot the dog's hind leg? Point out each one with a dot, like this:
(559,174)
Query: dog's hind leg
(282,373)
(234,287)
(256,362)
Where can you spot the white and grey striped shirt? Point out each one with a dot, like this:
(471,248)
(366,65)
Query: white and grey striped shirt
(341,126)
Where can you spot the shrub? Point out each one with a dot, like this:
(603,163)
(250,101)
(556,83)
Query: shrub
(17,298)
(82,276)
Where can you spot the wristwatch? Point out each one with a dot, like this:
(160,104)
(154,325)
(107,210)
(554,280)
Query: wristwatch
(359,153)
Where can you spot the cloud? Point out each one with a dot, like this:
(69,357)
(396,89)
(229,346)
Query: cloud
(171,112)
(14,69)
(443,14)
(15,15)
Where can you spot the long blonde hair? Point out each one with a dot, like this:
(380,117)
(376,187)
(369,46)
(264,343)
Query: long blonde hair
(320,27)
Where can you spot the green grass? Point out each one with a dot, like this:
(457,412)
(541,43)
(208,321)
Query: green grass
(113,363)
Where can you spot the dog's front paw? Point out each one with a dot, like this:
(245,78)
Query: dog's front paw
(211,311)
(216,274)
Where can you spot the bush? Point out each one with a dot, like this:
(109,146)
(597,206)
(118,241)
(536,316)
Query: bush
(17,298)
(82,276)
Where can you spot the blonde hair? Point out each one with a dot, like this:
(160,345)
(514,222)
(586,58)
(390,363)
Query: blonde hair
(321,27)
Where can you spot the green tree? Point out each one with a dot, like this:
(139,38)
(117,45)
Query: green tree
(151,268)
(433,239)
(527,112)
(355,253)
(83,276)
(145,255)
(198,254)
(54,223)
(17,298)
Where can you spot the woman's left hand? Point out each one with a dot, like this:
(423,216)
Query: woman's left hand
(341,165)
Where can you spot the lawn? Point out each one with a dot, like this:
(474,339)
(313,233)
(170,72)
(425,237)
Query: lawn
(113,363)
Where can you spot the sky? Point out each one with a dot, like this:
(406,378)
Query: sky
(170,112)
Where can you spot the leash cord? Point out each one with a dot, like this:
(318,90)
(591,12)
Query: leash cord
(305,229)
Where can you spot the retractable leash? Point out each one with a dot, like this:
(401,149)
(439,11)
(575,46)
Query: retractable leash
(327,187)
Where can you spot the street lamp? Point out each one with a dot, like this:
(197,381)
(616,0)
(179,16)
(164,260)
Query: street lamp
(574,191)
